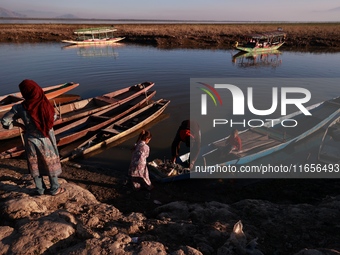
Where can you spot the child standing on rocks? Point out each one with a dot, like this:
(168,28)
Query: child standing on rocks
(138,170)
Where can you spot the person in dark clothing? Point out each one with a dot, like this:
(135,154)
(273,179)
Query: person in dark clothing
(189,133)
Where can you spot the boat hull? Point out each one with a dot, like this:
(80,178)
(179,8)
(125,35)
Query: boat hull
(95,41)
(120,129)
(259,49)
(276,138)
(89,106)
(86,107)
(89,125)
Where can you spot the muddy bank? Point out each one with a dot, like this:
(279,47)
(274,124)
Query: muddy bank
(302,37)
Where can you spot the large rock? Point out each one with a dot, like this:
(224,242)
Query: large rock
(76,223)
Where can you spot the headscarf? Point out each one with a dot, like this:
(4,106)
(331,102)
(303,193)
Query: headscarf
(37,105)
(187,137)
(185,134)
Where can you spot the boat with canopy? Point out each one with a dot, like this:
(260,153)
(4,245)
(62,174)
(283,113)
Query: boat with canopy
(97,35)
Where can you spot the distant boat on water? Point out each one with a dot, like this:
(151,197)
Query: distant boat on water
(262,42)
(98,35)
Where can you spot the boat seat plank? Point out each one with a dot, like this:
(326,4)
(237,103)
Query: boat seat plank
(111,131)
(115,129)
(100,117)
(255,143)
(120,127)
(108,100)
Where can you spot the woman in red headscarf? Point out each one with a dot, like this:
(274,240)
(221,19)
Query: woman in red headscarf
(37,115)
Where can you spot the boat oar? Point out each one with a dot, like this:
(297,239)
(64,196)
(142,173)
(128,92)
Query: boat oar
(20,132)
(58,109)
(146,96)
(22,137)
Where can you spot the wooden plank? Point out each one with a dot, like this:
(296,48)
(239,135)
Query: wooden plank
(112,131)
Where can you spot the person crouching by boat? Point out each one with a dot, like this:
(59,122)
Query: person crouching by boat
(189,133)
(138,170)
(233,143)
(37,115)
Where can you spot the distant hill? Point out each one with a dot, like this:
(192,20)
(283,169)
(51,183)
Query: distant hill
(39,14)
(67,16)
(335,9)
(4,13)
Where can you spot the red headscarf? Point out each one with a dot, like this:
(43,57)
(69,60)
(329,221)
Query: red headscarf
(185,134)
(37,105)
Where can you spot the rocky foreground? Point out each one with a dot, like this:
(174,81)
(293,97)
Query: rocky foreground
(75,222)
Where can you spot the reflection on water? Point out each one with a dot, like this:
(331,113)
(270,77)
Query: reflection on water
(171,70)
(98,50)
(258,60)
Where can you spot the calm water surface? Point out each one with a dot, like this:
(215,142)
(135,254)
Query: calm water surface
(104,69)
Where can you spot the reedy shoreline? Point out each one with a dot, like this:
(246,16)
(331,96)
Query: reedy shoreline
(301,36)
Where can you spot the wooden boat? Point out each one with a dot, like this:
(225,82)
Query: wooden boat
(82,108)
(262,141)
(96,121)
(88,125)
(119,129)
(329,151)
(263,42)
(98,35)
(89,106)
(7,101)
(258,142)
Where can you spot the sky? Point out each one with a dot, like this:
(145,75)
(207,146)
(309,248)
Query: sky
(219,10)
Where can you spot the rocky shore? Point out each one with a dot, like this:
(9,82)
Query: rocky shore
(204,217)
(301,36)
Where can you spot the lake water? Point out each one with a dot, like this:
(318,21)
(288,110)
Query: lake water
(107,68)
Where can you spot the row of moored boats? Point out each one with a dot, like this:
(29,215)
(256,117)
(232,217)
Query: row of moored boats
(96,122)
